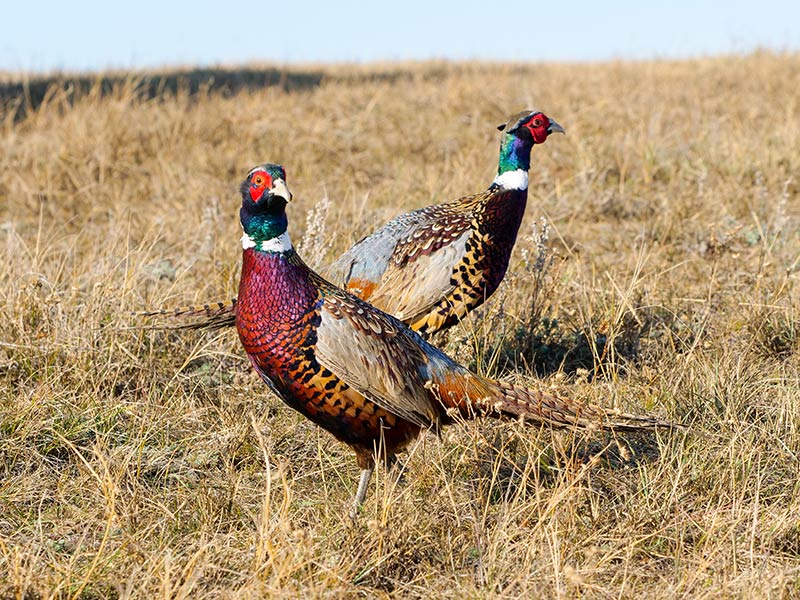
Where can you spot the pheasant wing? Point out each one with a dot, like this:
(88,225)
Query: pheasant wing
(402,242)
(371,352)
(361,267)
(411,290)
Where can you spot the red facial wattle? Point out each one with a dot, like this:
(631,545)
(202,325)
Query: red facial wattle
(538,128)
(259,181)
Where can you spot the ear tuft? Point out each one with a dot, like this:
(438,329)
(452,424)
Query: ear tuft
(501,127)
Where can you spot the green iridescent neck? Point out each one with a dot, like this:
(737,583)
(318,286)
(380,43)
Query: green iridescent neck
(264,227)
(515,154)
(265,232)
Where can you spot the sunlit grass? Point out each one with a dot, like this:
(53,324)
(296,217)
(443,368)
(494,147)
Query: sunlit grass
(155,464)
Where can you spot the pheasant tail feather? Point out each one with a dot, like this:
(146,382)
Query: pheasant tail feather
(216,315)
(561,412)
(474,395)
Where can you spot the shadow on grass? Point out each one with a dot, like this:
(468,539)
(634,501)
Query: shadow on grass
(547,346)
(26,96)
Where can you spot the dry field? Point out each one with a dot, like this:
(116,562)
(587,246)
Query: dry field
(147,464)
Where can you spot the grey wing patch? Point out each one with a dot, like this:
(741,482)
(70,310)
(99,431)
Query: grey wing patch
(408,292)
(372,353)
(369,257)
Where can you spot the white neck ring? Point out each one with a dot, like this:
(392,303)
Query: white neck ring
(512,180)
(282,243)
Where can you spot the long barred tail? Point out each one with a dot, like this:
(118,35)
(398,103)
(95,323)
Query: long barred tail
(539,407)
(217,315)
(471,395)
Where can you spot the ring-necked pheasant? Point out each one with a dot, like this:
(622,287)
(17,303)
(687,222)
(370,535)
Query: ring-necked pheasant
(354,370)
(431,266)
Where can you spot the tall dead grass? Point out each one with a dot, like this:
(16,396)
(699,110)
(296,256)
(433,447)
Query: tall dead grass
(154,464)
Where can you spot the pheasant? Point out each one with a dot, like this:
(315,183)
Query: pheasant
(358,372)
(431,266)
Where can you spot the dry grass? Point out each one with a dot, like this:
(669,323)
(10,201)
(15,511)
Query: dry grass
(151,464)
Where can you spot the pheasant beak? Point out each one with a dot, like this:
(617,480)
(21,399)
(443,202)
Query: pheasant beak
(555,128)
(279,188)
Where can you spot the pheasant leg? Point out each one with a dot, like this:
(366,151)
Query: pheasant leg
(361,494)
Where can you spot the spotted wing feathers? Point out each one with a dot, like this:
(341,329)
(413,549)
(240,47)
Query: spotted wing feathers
(373,353)
(399,244)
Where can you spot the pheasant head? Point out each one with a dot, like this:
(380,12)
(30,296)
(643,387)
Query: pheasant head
(263,212)
(520,133)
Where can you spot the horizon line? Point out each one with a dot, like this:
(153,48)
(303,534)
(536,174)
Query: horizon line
(255,64)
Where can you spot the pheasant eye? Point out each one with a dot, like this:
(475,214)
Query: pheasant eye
(259,181)
(537,122)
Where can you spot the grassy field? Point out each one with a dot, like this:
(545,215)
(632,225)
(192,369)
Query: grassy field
(142,464)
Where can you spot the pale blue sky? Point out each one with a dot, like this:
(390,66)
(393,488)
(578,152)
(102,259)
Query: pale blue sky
(92,35)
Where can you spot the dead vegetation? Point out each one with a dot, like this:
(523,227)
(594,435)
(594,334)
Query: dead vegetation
(663,278)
